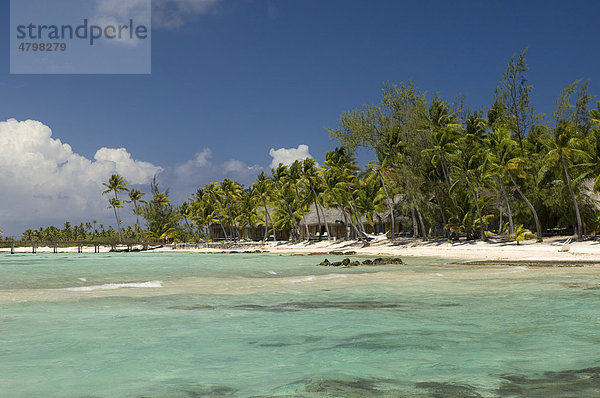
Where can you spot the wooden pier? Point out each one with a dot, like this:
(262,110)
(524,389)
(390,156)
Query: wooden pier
(32,246)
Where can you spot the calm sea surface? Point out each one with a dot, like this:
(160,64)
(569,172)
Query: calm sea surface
(242,325)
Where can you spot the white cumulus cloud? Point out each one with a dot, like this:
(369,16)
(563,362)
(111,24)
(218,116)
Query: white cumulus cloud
(288,156)
(43,181)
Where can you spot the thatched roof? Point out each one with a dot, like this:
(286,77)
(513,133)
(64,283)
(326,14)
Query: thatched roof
(335,216)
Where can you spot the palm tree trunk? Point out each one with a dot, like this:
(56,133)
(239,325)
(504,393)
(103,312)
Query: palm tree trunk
(318,203)
(422,223)
(118,220)
(222,226)
(414,222)
(538,225)
(231,225)
(573,198)
(442,213)
(296,232)
(341,209)
(390,206)
(118,226)
(359,233)
(511,226)
(266,221)
(303,215)
(476,199)
(137,222)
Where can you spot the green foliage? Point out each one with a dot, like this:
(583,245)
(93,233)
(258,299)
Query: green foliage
(521,233)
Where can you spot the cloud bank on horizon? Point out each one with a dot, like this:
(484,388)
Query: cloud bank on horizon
(44,182)
(41,178)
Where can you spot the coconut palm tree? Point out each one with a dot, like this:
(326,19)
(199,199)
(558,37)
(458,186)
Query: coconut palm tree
(312,176)
(263,190)
(469,165)
(294,178)
(213,195)
(247,212)
(376,168)
(563,149)
(116,184)
(280,179)
(503,162)
(232,192)
(135,197)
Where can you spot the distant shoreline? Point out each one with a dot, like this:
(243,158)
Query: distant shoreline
(552,250)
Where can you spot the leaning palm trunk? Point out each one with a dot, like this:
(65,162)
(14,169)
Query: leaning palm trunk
(318,203)
(511,226)
(357,231)
(442,213)
(303,214)
(420,216)
(574,199)
(414,222)
(476,199)
(232,228)
(390,206)
(296,228)
(354,208)
(538,225)
(341,209)
(222,226)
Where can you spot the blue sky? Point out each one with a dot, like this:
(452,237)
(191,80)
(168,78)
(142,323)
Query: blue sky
(242,77)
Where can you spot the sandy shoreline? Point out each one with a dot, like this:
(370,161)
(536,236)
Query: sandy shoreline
(551,250)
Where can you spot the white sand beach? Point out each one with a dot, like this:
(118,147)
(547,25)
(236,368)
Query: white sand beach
(551,250)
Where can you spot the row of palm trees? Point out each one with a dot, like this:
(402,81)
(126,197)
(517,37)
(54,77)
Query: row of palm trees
(280,202)
(447,169)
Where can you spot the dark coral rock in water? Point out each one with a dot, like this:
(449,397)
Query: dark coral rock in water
(207,391)
(568,383)
(448,390)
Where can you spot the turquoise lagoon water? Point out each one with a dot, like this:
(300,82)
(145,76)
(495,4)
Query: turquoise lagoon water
(242,325)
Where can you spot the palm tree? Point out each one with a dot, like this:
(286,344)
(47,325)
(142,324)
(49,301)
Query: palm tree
(469,164)
(311,175)
(504,162)
(213,193)
(563,148)
(262,189)
(116,184)
(280,175)
(247,215)
(232,192)
(295,179)
(135,197)
(185,211)
(375,167)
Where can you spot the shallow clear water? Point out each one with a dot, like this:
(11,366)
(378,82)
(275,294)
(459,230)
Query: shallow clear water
(268,325)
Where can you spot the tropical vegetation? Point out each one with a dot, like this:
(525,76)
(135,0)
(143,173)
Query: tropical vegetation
(444,169)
